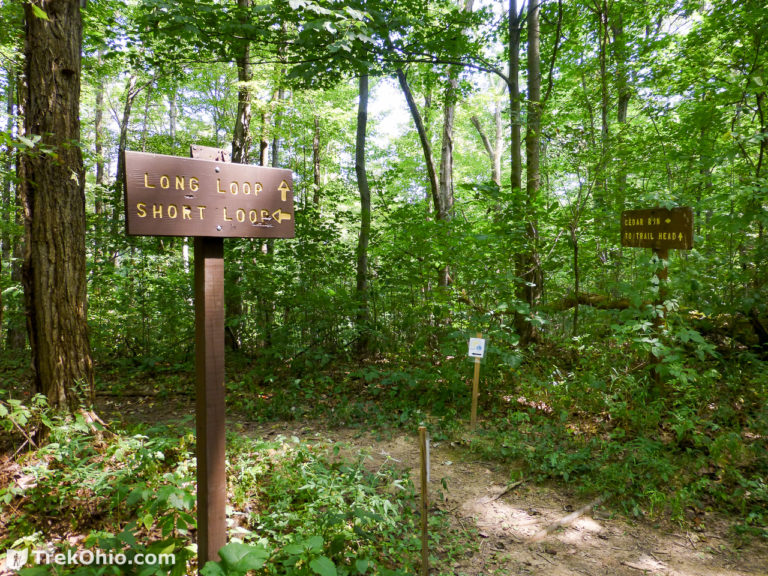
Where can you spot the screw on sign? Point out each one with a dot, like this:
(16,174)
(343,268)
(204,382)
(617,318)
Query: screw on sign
(210,199)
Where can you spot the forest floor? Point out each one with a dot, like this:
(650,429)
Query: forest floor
(502,516)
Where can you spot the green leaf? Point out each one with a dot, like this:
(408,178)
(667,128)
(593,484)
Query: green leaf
(212,569)
(361,565)
(243,557)
(323,566)
(148,520)
(40,13)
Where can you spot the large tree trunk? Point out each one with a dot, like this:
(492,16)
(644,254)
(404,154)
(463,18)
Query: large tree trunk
(241,148)
(516,161)
(241,137)
(54,207)
(529,265)
(363,315)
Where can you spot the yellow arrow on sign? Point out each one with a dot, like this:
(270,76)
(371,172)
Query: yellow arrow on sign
(279,215)
(283,188)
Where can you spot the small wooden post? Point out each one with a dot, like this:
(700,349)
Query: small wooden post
(423,443)
(475,391)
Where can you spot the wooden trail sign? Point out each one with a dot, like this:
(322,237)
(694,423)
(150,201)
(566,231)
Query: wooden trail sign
(173,196)
(658,228)
(476,351)
(662,230)
(210,199)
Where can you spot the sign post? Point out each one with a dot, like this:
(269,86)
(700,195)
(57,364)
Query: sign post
(210,199)
(476,351)
(659,229)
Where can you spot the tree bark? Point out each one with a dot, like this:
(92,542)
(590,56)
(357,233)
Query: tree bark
(241,136)
(516,161)
(426,146)
(16,335)
(362,292)
(316,162)
(98,144)
(241,147)
(493,150)
(173,115)
(131,91)
(54,207)
(445,208)
(7,206)
(529,265)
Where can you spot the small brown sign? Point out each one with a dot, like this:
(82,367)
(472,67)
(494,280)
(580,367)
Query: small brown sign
(175,196)
(658,228)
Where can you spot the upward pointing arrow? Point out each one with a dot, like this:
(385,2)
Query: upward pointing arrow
(283,188)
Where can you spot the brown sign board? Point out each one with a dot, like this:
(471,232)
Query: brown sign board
(175,196)
(658,228)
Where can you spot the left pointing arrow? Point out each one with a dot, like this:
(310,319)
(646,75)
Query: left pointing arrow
(279,215)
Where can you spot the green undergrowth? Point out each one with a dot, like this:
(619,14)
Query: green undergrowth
(295,507)
(586,412)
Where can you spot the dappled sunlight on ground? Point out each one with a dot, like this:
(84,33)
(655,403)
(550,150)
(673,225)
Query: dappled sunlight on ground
(504,521)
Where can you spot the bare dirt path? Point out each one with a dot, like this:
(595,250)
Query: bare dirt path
(595,544)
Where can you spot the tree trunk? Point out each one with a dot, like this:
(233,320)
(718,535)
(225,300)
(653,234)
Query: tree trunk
(145,119)
(263,140)
(363,315)
(173,115)
(316,162)
(493,150)
(426,146)
(7,206)
(241,147)
(445,208)
(16,335)
(241,137)
(529,266)
(516,161)
(98,144)
(276,132)
(131,91)
(54,207)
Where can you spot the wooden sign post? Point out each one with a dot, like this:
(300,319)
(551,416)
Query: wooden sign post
(424,459)
(659,229)
(476,351)
(210,199)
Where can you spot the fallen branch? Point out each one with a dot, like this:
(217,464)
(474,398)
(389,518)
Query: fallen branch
(539,536)
(507,490)
(599,301)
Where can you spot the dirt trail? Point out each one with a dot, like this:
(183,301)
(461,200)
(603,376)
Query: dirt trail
(595,544)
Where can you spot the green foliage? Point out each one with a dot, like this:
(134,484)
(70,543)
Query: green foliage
(298,508)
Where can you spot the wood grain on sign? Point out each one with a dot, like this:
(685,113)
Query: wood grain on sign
(174,196)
